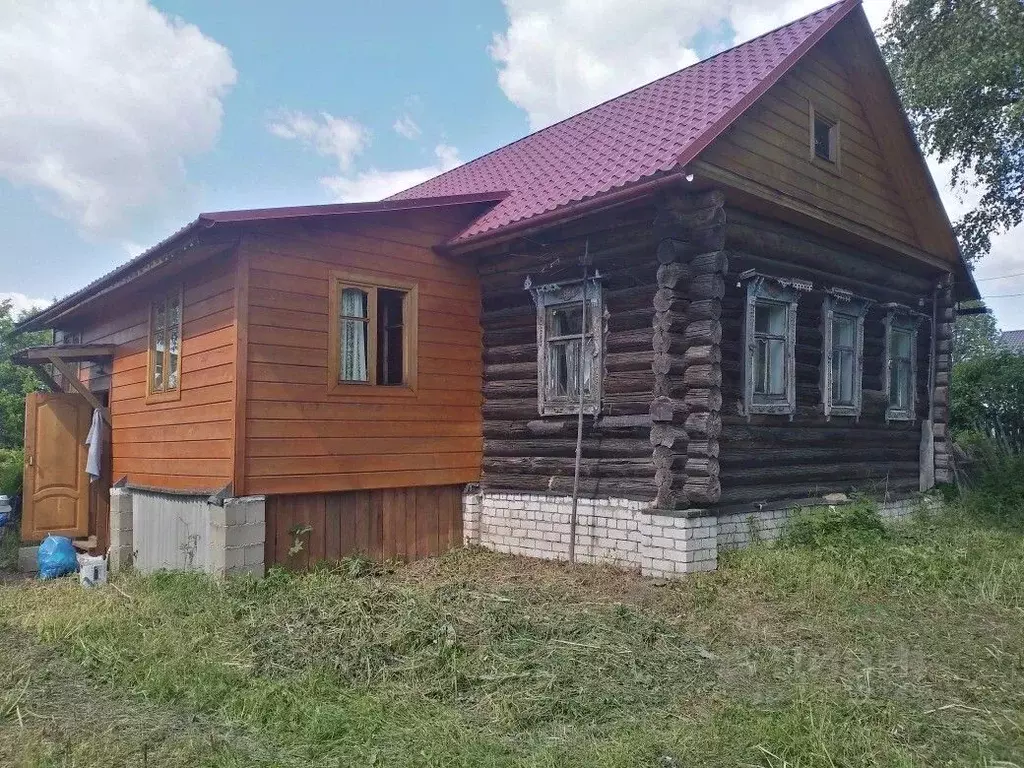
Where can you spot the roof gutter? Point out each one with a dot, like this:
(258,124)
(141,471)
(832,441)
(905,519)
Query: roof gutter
(144,262)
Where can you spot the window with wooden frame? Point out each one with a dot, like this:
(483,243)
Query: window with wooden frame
(769,359)
(570,347)
(373,333)
(900,363)
(842,356)
(824,139)
(164,364)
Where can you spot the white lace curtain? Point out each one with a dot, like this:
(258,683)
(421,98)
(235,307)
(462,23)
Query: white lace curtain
(354,326)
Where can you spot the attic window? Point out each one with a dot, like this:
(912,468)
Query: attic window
(824,138)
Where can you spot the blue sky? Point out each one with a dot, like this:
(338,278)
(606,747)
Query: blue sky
(123,119)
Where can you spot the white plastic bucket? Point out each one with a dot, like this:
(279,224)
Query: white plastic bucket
(92,570)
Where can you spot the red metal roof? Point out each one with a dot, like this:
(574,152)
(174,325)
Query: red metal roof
(652,130)
(342,209)
(205,221)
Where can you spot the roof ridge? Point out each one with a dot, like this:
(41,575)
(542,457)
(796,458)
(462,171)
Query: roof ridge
(674,73)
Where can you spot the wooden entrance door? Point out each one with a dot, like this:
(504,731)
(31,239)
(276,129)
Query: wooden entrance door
(55,496)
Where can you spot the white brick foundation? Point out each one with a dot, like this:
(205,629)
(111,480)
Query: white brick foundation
(622,532)
(613,531)
(162,531)
(741,529)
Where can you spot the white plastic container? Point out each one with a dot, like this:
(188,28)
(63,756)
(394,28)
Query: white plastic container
(92,570)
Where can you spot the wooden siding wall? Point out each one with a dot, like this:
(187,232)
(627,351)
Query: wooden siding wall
(382,524)
(770,145)
(186,443)
(525,452)
(772,458)
(301,439)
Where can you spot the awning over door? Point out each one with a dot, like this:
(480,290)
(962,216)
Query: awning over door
(61,356)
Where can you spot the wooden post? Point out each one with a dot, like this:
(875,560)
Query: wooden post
(585,259)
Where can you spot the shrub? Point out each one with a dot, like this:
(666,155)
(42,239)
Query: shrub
(11,461)
(855,524)
(987,399)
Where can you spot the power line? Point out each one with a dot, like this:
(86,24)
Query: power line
(999,277)
(1002,296)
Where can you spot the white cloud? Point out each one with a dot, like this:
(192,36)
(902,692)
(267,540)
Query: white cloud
(21,303)
(101,103)
(559,57)
(407,127)
(375,184)
(344,140)
(339,137)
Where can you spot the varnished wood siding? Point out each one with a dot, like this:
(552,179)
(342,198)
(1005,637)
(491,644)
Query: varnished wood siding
(773,458)
(528,452)
(299,437)
(383,524)
(770,145)
(186,443)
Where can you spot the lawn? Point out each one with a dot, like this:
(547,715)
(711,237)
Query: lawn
(903,649)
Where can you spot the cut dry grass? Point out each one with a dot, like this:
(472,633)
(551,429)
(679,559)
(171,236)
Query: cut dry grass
(901,651)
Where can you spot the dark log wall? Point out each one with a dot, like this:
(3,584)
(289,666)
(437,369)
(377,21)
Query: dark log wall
(769,458)
(685,420)
(525,452)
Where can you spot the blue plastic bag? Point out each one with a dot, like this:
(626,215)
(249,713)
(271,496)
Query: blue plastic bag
(57,557)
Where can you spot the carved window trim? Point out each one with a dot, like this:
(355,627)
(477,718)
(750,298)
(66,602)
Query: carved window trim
(766,289)
(548,298)
(900,319)
(844,304)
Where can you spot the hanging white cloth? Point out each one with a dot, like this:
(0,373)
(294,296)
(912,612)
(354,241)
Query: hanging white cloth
(95,442)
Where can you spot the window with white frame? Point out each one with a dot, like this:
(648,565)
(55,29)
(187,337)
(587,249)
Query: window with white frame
(769,361)
(570,322)
(842,353)
(900,363)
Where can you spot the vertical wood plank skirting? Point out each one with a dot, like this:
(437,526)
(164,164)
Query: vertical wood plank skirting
(382,524)
(241,370)
(690,232)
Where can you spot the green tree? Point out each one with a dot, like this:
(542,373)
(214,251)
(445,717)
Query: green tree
(959,67)
(987,397)
(974,336)
(16,381)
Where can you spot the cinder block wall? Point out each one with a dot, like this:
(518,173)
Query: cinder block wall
(156,531)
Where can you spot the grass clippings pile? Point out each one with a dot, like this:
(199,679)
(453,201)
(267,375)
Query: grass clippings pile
(901,647)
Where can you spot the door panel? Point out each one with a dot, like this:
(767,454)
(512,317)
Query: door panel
(56,487)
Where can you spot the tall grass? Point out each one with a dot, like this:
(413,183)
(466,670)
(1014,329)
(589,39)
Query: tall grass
(991,480)
(844,646)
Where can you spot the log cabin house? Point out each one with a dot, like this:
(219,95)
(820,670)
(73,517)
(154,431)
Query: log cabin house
(681,313)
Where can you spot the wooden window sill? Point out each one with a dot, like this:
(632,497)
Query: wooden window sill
(163,397)
(354,389)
